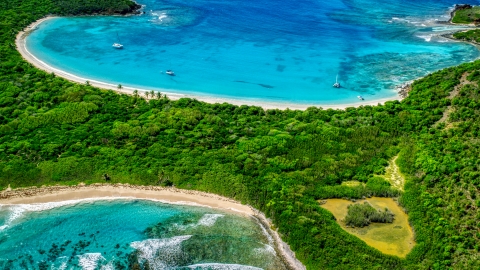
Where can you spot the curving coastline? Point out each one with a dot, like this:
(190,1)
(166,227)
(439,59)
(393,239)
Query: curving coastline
(29,57)
(169,195)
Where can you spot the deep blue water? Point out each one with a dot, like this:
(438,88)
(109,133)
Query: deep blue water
(280,51)
(117,234)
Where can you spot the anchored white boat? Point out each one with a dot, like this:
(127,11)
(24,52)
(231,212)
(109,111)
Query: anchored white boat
(336,84)
(360,97)
(170,72)
(117,45)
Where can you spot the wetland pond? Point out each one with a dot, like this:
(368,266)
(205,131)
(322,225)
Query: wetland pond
(390,238)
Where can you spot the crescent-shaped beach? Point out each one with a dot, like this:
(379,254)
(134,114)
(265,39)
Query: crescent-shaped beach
(172,195)
(266,104)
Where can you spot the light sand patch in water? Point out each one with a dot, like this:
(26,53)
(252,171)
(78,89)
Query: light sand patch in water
(390,238)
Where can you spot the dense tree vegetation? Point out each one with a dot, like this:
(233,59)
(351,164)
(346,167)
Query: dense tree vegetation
(78,7)
(470,35)
(362,214)
(280,161)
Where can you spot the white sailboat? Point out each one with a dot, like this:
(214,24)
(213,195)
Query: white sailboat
(117,45)
(336,84)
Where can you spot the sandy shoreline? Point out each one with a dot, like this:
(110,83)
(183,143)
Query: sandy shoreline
(36,195)
(29,57)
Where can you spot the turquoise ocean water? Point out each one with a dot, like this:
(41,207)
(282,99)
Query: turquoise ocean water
(125,234)
(278,51)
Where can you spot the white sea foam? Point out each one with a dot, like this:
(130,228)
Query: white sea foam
(427,38)
(266,249)
(63,264)
(16,211)
(209,219)
(222,266)
(159,253)
(402,20)
(108,266)
(89,261)
(265,232)
(162,16)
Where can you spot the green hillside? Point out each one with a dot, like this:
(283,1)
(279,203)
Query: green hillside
(467,15)
(53,131)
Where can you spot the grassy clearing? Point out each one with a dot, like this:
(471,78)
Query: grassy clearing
(393,174)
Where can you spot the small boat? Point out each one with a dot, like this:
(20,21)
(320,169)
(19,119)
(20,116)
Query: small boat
(170,72)
(336,84)
(117,45)
(360,97)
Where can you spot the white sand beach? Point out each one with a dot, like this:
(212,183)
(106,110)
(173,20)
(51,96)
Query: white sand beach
(29,57)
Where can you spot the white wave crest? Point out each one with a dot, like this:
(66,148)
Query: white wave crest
(159,252)
(266,249)
(108,266)
(209,219)
(427,38)
(162,16)
(63,264)
(221,266)
(89,261)
(265,232)
(16,211)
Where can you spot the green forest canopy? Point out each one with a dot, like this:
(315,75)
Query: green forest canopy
(53,131)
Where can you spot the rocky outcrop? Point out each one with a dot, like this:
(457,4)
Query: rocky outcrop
(462,7)
(403,89)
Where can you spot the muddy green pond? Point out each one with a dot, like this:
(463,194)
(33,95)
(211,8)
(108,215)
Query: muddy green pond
(390,238)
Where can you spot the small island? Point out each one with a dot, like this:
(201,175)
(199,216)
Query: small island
(466,14)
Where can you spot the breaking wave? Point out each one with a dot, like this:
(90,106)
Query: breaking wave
(207,220)
(17,211)
(159,253)
(219,266)
(89,261)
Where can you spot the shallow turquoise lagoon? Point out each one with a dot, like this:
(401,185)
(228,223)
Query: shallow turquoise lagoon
(124,234)
(276,51)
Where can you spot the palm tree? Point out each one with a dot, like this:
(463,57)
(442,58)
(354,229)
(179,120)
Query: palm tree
(87,83)
(135,93)
(119,86)
(159,95)
(146,94)
(152,94)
